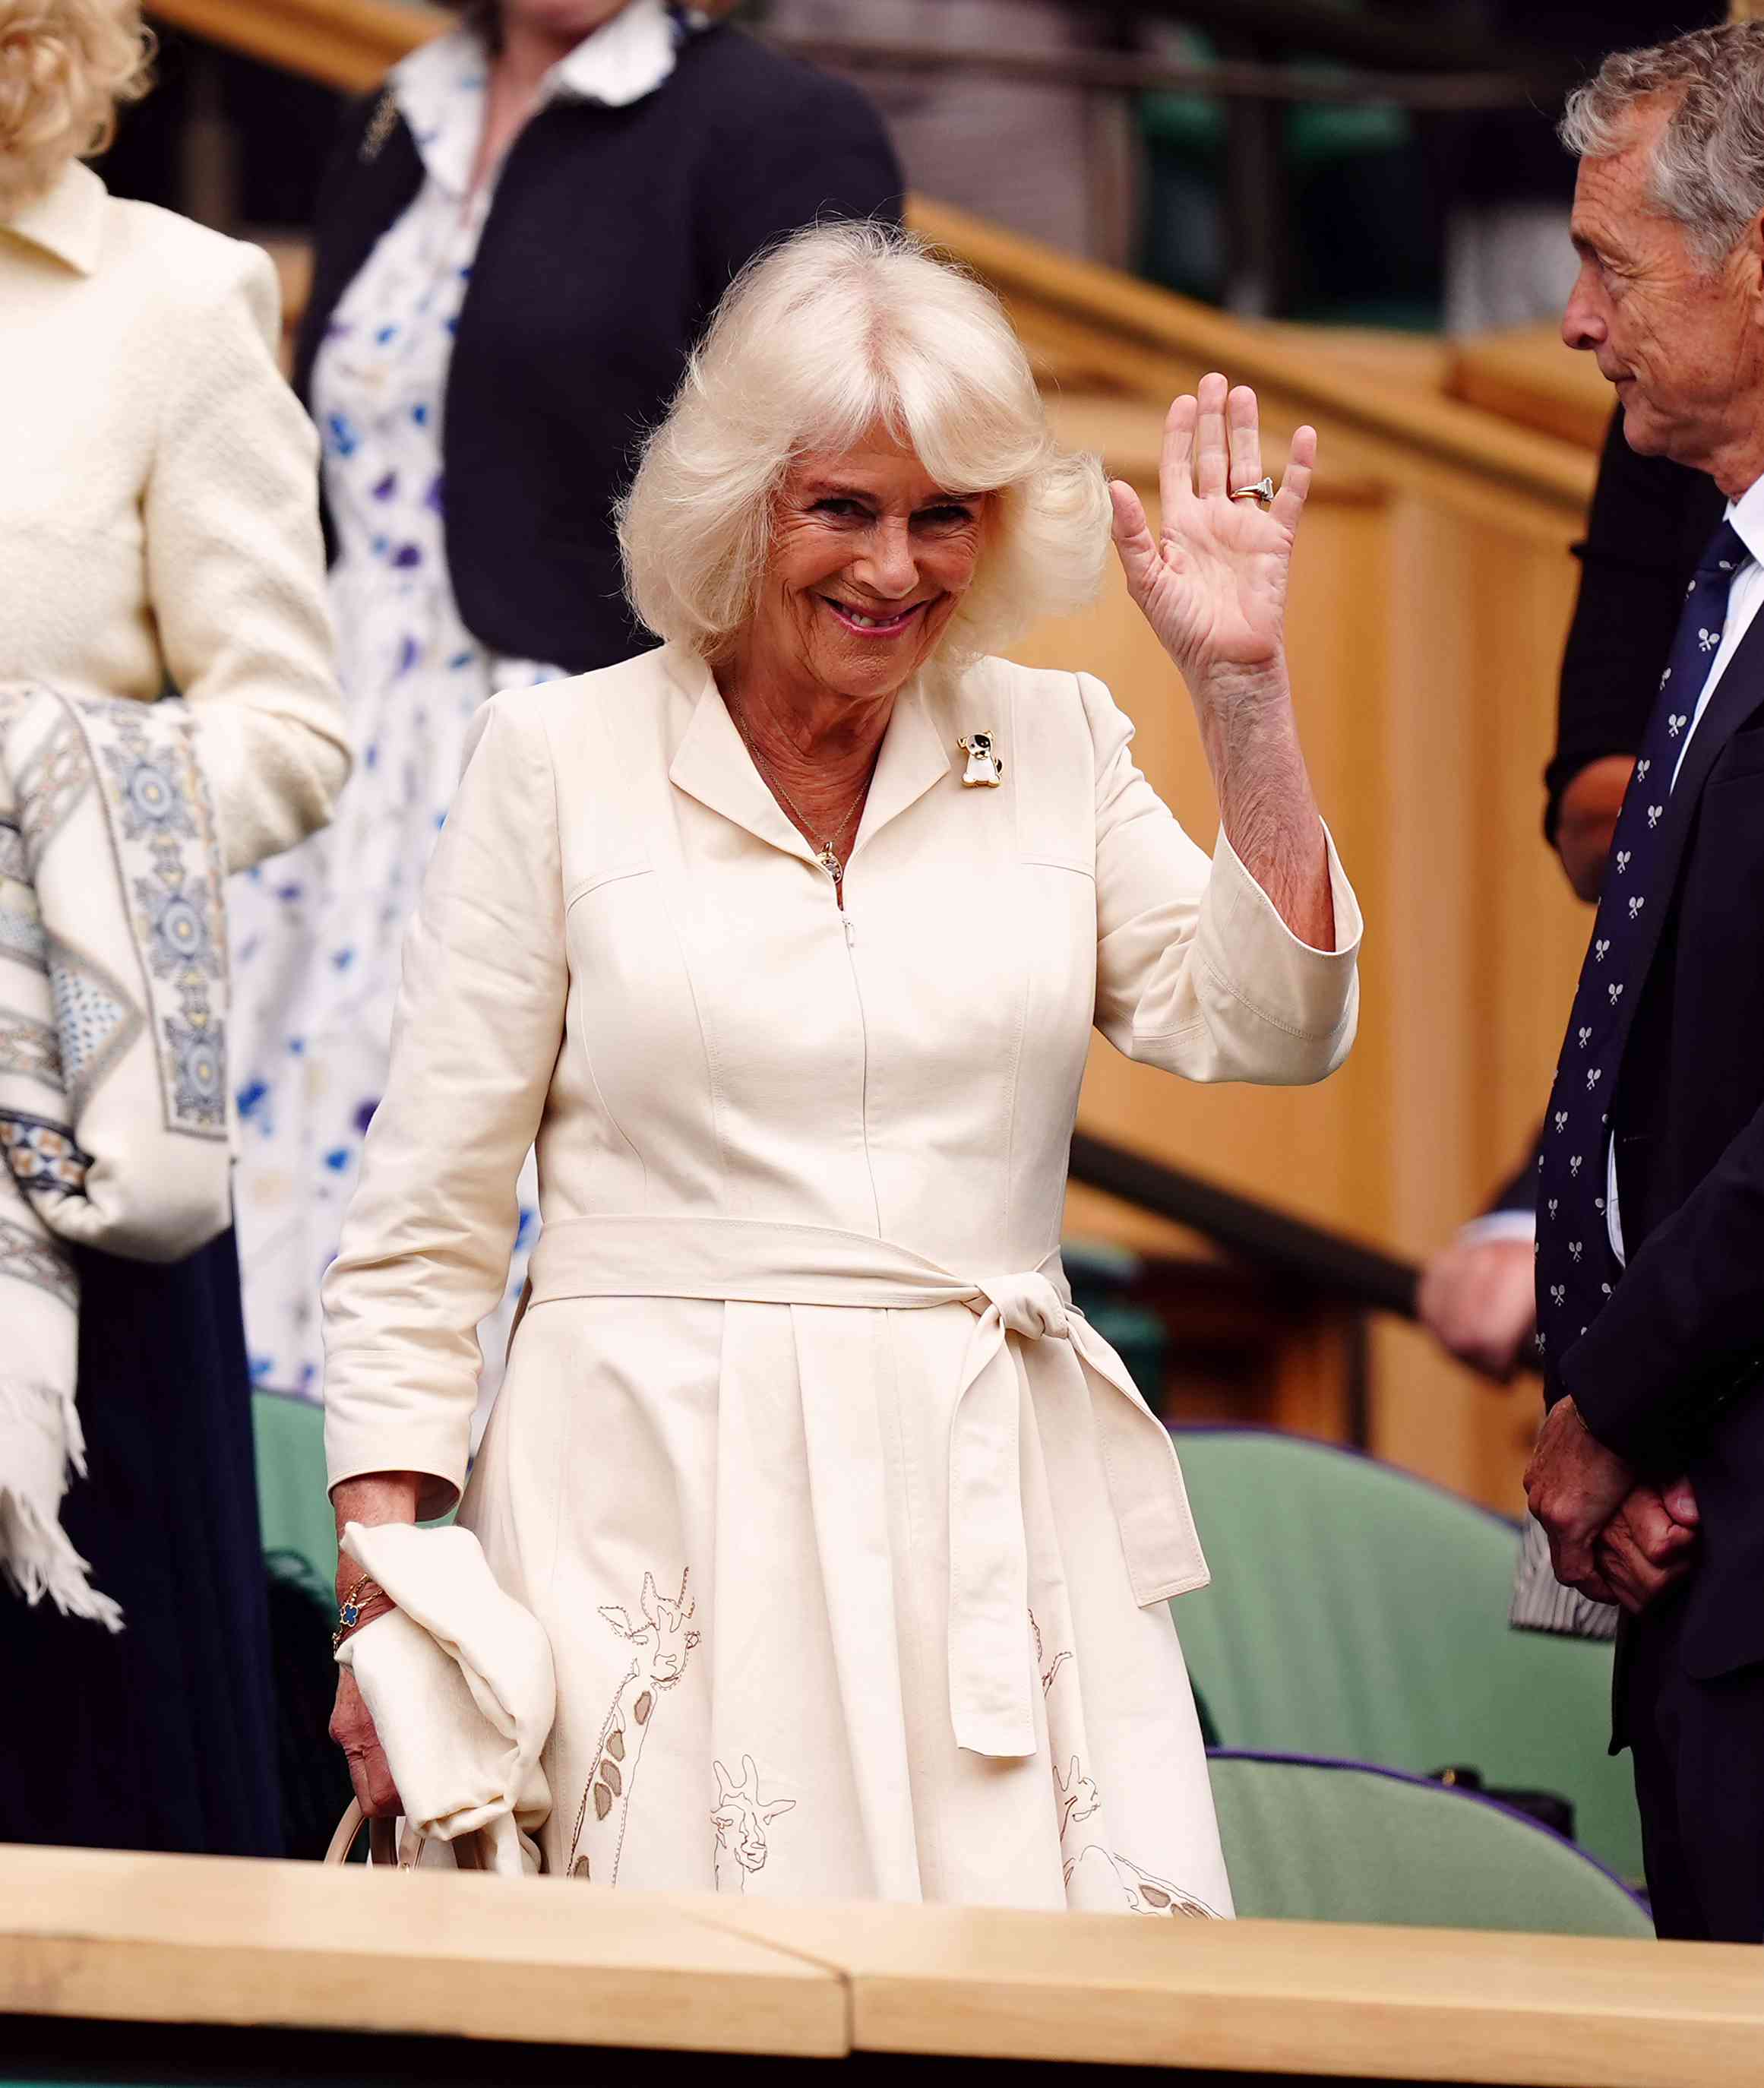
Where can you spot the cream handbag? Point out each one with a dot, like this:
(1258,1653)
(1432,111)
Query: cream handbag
(382,1838)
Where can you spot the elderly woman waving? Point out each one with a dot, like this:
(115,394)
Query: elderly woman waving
(850,1539)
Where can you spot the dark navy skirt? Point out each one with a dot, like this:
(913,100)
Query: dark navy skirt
(160,1736)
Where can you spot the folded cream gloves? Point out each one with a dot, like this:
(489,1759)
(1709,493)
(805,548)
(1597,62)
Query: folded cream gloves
(459,1684)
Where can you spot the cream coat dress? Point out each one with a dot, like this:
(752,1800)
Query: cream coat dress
(853,1540)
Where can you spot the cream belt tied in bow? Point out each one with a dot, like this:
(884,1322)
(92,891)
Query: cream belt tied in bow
(991,1662)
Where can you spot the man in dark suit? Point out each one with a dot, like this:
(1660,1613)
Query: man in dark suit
(1649,1475)
(1650,521)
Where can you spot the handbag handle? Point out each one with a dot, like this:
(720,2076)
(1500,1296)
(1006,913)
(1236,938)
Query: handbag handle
(382,1838)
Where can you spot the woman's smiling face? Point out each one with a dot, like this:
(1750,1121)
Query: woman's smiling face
(870,557)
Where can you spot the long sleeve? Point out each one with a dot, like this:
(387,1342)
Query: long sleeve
(236,571)
(480,1022)
(1196,971)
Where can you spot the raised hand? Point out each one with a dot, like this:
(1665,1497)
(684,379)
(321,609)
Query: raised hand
(1214,585)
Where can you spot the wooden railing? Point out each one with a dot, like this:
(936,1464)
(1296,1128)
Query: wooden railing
(115,1966)
(346,44)
(1141,340)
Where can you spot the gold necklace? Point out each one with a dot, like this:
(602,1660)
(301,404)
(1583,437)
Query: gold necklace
(825,854)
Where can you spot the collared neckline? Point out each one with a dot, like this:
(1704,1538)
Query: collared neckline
(68,220)
(713,765)
(624,60)
(1747,515)
(440,89)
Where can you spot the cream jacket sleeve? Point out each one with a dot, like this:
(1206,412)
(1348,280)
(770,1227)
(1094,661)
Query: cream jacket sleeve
(235,566)
(480,1022)
(1196,971)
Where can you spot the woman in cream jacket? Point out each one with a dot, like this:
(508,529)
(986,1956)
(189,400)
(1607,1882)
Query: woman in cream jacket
(852,1539)
(158,529)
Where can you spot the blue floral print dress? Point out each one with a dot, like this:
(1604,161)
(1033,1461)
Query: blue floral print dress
(316,932)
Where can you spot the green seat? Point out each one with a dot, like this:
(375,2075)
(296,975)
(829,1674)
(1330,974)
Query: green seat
(1099,1272)
(1321,1841)
(1359,1614)
(292,1504)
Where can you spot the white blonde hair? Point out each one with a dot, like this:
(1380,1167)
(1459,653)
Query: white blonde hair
(65,65)
(839,327)
(1707,171)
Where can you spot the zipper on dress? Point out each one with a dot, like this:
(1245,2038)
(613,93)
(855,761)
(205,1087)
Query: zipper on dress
(850,928)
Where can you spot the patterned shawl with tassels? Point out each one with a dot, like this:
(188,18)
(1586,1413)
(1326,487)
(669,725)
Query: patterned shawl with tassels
(113,1115)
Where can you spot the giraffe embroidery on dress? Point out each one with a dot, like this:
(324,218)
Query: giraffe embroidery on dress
(740,1818)
(661,1645)
(1103,1875)
(1059,1659)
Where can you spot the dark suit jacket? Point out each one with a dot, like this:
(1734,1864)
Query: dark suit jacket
(1665,1373)
(613,234)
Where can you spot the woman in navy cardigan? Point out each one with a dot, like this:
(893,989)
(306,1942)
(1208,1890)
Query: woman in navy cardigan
(518,240)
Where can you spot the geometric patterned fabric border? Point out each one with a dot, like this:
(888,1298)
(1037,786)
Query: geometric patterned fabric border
(95,1018)
(167,852)
(41,1155)
(28,1257)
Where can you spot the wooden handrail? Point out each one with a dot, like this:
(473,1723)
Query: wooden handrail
(1140,324)
(347,43)
(1307,1258)
(1132,72)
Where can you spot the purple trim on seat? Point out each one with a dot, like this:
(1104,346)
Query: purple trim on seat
(1427,1783)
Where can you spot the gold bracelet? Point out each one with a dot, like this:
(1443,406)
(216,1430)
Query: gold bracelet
(349,1610)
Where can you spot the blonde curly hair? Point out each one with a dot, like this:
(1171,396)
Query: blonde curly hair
(65,67)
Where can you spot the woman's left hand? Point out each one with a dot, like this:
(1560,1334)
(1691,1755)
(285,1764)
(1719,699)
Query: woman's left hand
(1213,586)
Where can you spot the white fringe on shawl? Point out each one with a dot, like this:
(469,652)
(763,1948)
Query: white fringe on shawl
(113,1113)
